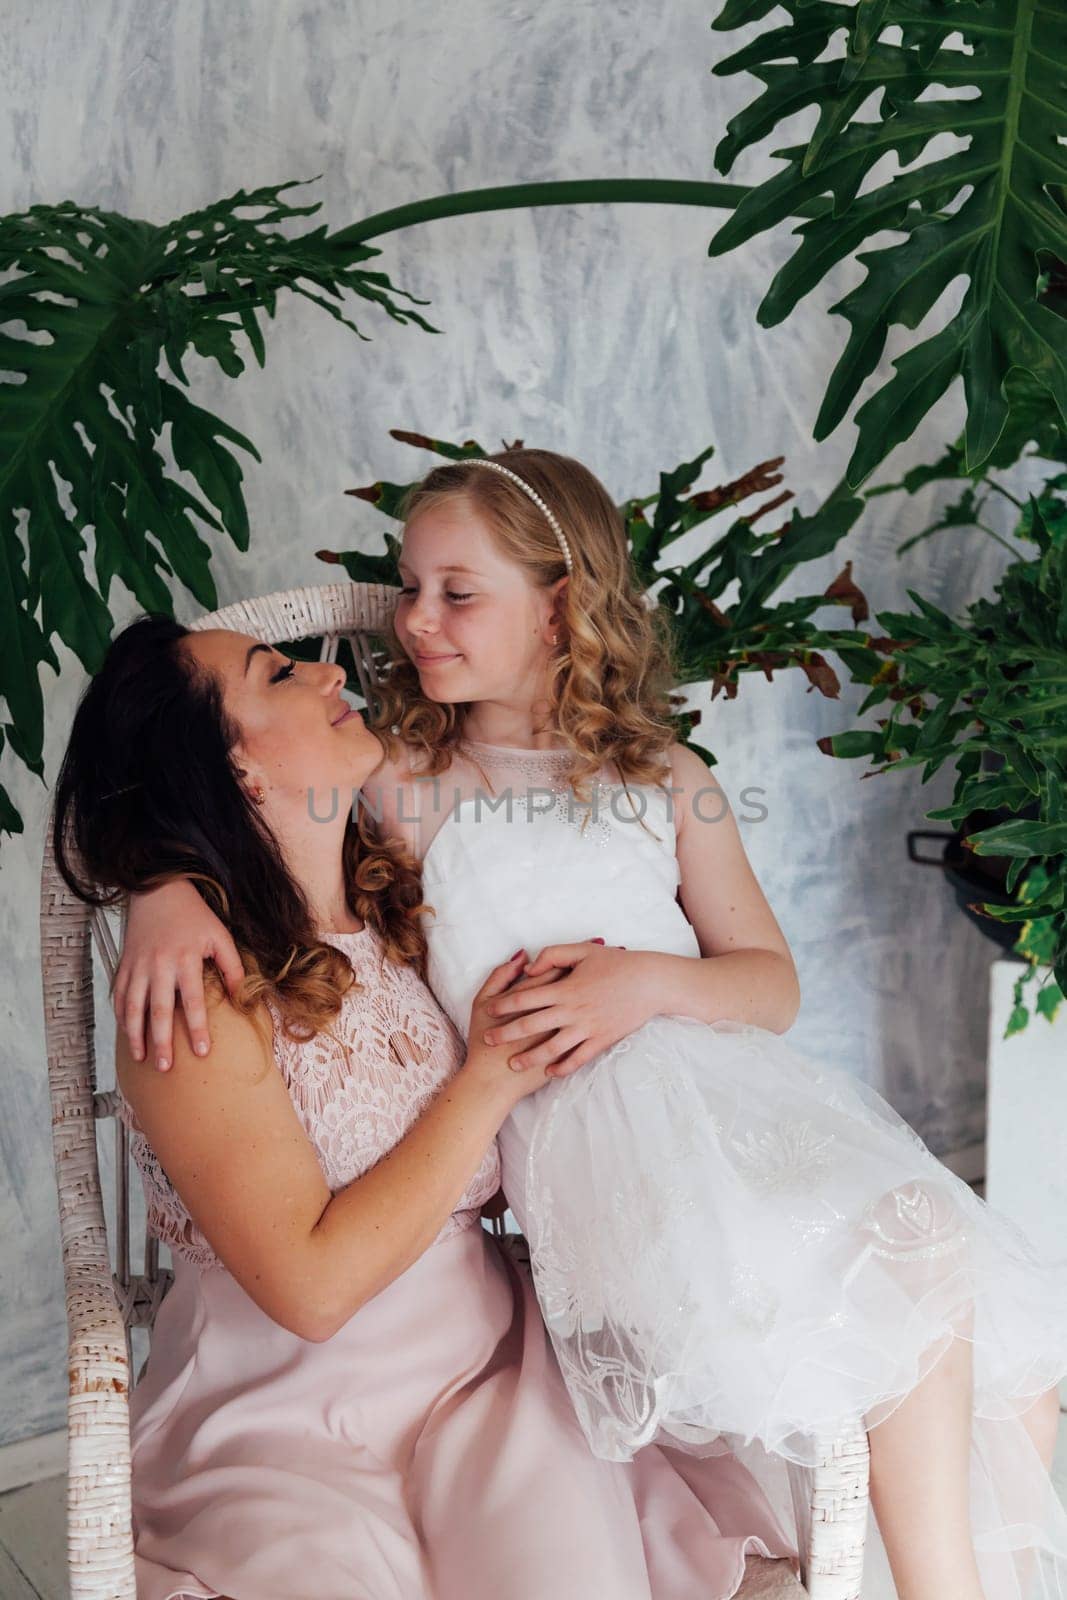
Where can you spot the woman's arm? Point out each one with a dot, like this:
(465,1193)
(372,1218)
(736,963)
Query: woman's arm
(228,1137)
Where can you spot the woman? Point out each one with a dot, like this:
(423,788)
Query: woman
(350,1394)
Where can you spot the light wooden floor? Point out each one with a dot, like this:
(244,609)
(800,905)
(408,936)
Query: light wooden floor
(33,1553)
(33,1544)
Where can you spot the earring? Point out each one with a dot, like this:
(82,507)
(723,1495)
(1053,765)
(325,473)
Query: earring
(258,797)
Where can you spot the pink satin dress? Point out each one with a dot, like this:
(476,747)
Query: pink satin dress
(429,1448)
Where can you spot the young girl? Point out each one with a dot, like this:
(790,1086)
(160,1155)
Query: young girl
(727,1239)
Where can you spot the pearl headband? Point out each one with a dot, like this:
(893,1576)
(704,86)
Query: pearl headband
(553,521)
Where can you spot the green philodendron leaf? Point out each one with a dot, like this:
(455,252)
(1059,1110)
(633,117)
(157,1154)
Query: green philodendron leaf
(804,538)
(667,522)
(990,212)
(440,447)
(1017,1021)
(94,310)
(852,744)
(362,568)
(389,497)
(1025,839)
(1038,939)
(1030,417)
(1049,999)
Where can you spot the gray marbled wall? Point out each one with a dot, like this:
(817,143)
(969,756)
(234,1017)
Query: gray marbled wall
(604,332)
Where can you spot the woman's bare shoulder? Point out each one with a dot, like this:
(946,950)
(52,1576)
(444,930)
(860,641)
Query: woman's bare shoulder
(242,1050)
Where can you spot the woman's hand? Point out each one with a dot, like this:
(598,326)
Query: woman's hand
(601,996)
(493,1064)
(170,933)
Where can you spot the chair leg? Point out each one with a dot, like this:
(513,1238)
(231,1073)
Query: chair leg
(831,1501)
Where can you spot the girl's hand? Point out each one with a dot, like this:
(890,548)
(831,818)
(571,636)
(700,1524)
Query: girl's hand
(600,998)
(492,1065)
(170,933)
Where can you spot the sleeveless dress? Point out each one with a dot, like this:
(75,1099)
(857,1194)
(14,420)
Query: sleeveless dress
(427,1451)
(729,1240)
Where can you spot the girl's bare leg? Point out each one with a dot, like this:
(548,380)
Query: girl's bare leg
(1042,1423)
(920,1483)
(920,1478)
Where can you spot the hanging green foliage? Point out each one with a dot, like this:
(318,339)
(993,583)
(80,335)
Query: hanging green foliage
(991,211)
(91,306)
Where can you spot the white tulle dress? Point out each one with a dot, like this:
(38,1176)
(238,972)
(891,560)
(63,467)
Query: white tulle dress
(728,1240)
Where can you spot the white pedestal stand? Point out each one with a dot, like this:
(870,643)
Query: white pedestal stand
(1026,1120)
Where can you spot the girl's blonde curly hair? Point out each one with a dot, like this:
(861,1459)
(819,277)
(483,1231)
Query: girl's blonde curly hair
(611,676)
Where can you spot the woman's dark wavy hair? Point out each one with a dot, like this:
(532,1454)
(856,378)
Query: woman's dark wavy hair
(148,791)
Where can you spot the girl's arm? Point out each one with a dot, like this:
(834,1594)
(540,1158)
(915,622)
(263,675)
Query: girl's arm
(170,933)
(745,970)
(228,1137)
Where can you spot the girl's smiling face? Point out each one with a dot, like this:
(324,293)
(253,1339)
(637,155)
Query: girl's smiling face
(471,620)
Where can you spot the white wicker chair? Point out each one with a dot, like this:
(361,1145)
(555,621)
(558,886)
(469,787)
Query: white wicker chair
(830,1501)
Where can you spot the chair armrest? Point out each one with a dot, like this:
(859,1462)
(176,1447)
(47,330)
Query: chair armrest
(830,1501)
(99,1522)
(99,1514)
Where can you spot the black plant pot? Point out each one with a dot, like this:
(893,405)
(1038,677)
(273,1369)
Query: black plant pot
(976,879)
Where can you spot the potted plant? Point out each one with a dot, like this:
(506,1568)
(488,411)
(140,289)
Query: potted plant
(987,693)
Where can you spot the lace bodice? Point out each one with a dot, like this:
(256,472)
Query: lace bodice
(357,1090)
